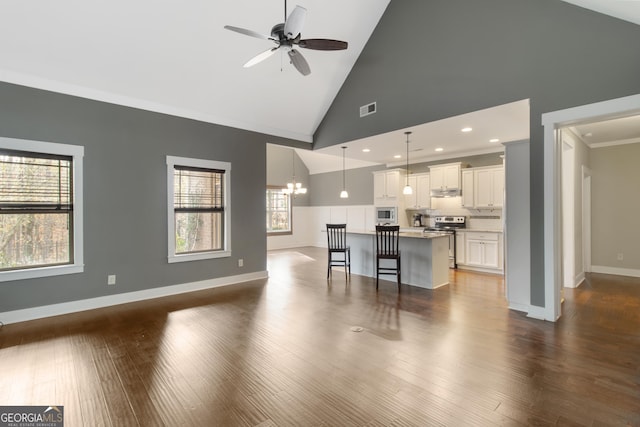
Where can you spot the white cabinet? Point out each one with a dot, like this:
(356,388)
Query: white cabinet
(488,187)
(421,196)
(483,250)
(386,187)
(467,189)
(445,177)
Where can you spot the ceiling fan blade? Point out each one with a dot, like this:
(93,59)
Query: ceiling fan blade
(247,32)
(295,22)
(260,57)
(323,44)
(299,62)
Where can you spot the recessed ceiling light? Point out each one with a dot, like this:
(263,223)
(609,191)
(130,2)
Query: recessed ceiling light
(439,149)
(365,150)
(588,134)
(494,140)
(397,156)
(467,129)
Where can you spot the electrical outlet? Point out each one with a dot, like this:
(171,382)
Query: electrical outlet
(620,256)
(240,262)
(111,279)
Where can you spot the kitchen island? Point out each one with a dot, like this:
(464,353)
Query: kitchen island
(424,262)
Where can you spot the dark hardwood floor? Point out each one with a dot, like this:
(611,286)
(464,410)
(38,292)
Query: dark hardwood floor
(281,352)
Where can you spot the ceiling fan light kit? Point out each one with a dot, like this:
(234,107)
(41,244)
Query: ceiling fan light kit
(287,36)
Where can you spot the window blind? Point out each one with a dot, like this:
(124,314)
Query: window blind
(197,189)
(33,182)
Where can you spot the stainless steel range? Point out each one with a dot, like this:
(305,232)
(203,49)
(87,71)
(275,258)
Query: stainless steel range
(449,224)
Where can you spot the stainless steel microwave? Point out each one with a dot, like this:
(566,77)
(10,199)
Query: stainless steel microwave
(387,215)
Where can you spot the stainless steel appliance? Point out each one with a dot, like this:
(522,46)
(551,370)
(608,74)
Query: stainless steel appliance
(388,215)
(449,224)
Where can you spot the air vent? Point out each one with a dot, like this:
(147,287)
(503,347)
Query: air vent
(365,110)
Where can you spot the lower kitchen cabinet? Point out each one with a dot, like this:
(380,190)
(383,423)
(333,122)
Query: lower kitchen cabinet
(482,250)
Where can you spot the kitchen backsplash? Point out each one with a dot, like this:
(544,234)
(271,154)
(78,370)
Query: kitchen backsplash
(484,219)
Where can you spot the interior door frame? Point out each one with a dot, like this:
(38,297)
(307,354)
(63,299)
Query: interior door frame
(552,121)
(586,220)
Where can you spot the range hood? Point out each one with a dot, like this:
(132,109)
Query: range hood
(448,192)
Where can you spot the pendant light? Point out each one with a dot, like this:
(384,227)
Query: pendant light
(407,188)
(343,193)
(294,187)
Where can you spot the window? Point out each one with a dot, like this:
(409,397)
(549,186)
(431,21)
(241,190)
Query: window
(198,198)
(278,212)
(40,209)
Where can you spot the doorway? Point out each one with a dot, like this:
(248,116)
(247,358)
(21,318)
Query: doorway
(553,121)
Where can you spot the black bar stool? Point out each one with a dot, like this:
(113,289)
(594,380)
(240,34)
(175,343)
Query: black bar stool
(337,244)
(387,248)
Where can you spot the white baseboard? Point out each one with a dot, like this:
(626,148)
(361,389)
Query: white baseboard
(616,271)
(579,279)
(109,300)
(519,307)
(540,313)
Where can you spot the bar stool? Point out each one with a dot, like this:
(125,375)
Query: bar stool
(337,244)
(387,248)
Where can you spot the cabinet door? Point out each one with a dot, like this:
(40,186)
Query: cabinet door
(482,184)
(473,253)
(497,187)
(379,184)
(392,183)
(411,200)
(452,176)
(467,189)
(490,254)
(423,192)
(436,178)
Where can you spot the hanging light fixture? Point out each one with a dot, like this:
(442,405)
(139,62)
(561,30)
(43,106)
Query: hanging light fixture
(343,193)
(407,188)
(294,187)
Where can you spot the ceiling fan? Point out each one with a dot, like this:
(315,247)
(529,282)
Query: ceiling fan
(287,36)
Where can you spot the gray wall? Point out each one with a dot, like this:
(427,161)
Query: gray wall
(125,193)
(457,56)
(325,187)
(280,166)
(615,204)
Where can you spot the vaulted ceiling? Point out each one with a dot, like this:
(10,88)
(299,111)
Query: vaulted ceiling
(177,58)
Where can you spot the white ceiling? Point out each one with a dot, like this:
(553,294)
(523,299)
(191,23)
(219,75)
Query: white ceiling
(176,58)
(605,133)
(509,122)
(628,10)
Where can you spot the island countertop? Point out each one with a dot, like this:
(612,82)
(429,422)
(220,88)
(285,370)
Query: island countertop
(410,234)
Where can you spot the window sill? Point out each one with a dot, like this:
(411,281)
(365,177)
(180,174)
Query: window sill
(37,272)
(198,256)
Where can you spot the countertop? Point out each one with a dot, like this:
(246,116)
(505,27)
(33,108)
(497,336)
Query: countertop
(475,230)
(411,234)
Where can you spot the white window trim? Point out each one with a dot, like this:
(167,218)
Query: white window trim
(77,152)
(172,161)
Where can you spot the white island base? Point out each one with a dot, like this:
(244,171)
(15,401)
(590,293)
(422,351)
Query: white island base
(424,258)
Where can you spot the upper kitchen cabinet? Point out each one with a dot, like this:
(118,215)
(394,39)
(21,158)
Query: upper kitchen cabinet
(467,189)
(421,196)
(445,180)
(386,187)
(488,187)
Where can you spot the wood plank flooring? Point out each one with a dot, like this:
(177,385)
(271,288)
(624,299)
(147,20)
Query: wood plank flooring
(280,352)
